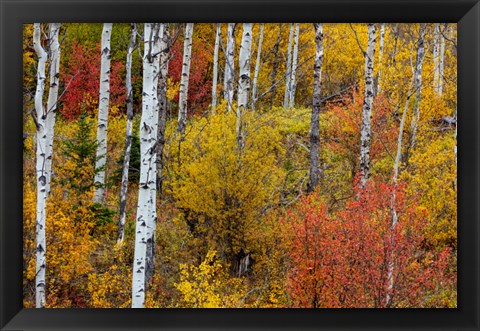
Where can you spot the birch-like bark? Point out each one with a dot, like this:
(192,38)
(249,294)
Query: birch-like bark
(365,134)
(380,58)
(146,209)
(396,167)
(54,60)
(293,80)
(257,66)
(102,123)
(151,229)
(244,81)
(456,139)
(41,248)
(314,173)
(162,99)
(288,69)
(215,68)
(229,77)
(275,65)
(441,61)
(182,99)
(436,58)
(418,85)
(128,135)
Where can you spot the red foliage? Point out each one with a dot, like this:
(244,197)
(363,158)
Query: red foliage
(200,81)
(344,124)
(81,79)
(343,261)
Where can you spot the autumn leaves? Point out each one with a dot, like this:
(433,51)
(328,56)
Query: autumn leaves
(278,194)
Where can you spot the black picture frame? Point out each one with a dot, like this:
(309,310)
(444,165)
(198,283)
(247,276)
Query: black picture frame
(14,13)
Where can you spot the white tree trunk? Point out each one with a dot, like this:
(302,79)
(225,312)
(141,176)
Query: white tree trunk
(293,81)
(102,123)
(54,61)
(152,226)
(162,100)
(146,209)
(229,77)
(182,99)
(275,66)
(456,138)
(417,82)
(436,58)
(215,68)
(128,135)
(40,170)
(257,66)
(288,69)
(396,167)
(365,134)
(441,60)
(418,85)
(380,57)
(314,173)
(244,81)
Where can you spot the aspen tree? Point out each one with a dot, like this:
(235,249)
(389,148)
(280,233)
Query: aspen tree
(365,134)
(182,99)
(293,80)
(257,66)
(215,68)
(162,100)
(396,170)
(436,58)
(229,76)
(54,60)
(439,56)
(103,104)
(275,65)
(244,81)
(441,61)
(418,85)
(314,173)
(45,133)
(40,283)
(417,82)
(146,209)
(380,57)
(128,134)
(288,70)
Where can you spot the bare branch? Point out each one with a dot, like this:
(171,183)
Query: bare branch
(358,41)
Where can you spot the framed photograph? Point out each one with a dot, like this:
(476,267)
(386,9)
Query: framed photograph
(296,170)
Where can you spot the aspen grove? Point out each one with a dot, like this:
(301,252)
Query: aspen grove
(240,165)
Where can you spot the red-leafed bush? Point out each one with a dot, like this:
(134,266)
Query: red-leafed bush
(81,79)
(342,260)
(200,79)
(344,123)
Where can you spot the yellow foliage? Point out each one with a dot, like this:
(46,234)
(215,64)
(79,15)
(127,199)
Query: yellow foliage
(172,89)
(218,199)
(208,285)
(221,191)
(29,58)
(432,175)
(110,289)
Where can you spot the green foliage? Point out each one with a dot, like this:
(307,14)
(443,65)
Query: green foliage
(103,215)
(220,203)
(134,164)
(81,151)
